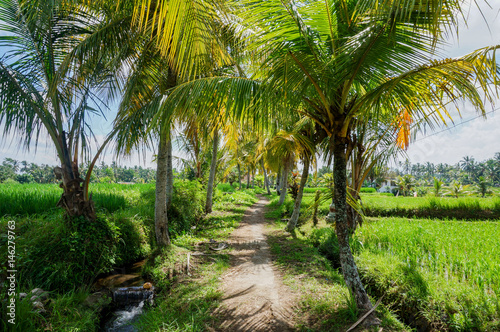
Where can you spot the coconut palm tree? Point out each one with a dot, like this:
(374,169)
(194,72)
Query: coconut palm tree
(343,62)
(51,86)
(189,40)
(438,185)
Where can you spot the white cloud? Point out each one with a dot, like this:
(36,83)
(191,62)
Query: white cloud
(478,138)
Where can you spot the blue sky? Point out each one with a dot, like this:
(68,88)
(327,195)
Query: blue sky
(479,138)
(471,135)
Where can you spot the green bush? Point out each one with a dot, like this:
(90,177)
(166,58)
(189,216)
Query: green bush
(187,206)
(327,243)
(133,243)
(57,254)
(325,239)
(225,187)
(369,190)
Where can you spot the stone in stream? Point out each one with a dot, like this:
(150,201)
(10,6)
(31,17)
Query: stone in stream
(131,295)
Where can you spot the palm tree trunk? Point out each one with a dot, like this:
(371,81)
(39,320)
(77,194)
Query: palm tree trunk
(211,177)
(72,199)
(278,182)
(239,175)
(161,219)
(292,223)
(266,182)
(284,183)
(170,174)
(248,178)
(349,268)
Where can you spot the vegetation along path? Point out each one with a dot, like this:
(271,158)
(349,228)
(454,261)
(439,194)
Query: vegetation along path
(255,298)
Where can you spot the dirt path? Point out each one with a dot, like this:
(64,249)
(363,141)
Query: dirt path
(255,298)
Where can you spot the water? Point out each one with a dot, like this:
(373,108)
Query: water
(130,295)
(122,277)
(123,320)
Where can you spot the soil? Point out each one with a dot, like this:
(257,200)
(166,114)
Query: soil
(255,298)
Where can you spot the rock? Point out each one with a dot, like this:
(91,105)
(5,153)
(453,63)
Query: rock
(97,301)
(37,291)
(39,295)
(147,285)
(38,307)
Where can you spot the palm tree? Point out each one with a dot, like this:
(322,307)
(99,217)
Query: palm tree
(438,185)
(457,189)
(467,164)
(406,184)
(343,62)
(49,85)
(482,187)
(305,139)
(186,40)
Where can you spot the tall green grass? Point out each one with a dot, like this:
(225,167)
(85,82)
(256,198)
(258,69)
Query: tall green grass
(378,205)
(465,251)
(470,208)
(26,199)
(439,275)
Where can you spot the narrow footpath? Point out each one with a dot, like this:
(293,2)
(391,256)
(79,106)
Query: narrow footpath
(255,298)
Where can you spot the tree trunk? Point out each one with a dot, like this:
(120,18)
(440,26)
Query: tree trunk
(72,199)
(161,219)
(266,182)
(211,177)
(248,178)
(349,268)
(278,180)
(239,175)
(284,183)
(170,174)
(292,223)
(353,217)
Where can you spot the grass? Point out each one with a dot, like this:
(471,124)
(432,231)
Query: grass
(33,198)
(191,298)
(186,303)
(470,208)
(325,301)
(379,205)
(446,248)
(438,274)
(434,274)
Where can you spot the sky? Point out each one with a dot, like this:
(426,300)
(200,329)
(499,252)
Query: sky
(468,135)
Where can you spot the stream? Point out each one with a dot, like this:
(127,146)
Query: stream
(130,294)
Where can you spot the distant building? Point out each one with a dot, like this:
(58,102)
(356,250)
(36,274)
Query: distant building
(388,186)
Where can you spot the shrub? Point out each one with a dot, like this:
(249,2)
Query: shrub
(327,243)
(368,190)
(187,206)
(133,241)
(325,239)
(225,187)
(55,254)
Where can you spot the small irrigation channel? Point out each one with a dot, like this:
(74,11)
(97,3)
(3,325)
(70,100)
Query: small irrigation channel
(130,294)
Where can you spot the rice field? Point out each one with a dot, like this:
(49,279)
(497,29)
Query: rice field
(391,202)
(25,199)
(467,252)
(466,208)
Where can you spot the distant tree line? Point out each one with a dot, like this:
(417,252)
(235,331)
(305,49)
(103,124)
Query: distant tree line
(467,171)
(24,172)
